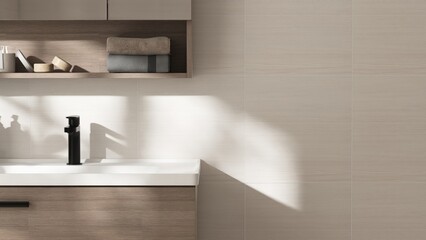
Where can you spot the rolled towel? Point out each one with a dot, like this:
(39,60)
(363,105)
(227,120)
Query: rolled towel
(138,46)
(138,64)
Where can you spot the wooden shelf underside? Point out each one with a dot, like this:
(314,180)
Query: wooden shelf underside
(93,75)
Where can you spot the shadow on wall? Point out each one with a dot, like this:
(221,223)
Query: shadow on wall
(230,209)
(222,197)
(44,104)
(259,178)
(103,140)
(17,143)
(14,140)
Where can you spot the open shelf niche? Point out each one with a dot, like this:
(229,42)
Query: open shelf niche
(83,44)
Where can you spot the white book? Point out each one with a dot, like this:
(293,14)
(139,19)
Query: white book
(24,61)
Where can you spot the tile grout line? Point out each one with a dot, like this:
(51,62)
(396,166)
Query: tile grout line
(138,128)
(245,123)
(352,120)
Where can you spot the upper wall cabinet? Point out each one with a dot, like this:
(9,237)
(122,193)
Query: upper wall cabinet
(149,10)
(49,36)
(53,10)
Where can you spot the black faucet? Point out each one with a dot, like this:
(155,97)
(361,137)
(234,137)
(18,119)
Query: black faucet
(73,131)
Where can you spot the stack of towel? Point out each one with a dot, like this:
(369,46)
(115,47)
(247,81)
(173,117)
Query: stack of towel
(138,55)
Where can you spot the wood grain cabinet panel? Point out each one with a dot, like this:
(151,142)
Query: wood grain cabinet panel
(53,10)
(149,9)
(107,213)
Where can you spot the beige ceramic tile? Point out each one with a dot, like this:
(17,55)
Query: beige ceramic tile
(218,65)
(389,7)
(298,7)
(389,234)
(186,122)
(112,105)
(223,152)
(207,99)
(219,45)
(219,34)
(15,100)
(301,45)
(15,126)
(298,211)
(220,206)
(205,84)
(388,211)
(389,128)
(298,152)
(213,173)
(15,119)
(105,99)
(17,87)
(285,98)
(298,128)
(201,8)
(84,87)
(99,139)
(389,44)
(199,117)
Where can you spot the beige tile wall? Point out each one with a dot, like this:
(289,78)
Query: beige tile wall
(389,127)
(310,117)
(298,58)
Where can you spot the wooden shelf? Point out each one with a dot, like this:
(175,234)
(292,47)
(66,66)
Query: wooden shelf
(83,44)
(93,75)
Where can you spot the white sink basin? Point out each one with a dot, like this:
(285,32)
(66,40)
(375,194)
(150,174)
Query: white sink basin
(105,172)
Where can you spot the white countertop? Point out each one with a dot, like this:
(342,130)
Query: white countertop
(100,172)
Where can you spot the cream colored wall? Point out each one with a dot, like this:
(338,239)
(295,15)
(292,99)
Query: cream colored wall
(298,82)
(309,116)
(389,105)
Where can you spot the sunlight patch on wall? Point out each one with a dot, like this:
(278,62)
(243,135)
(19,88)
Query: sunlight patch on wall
(270,161)
(243,147)
(179,126)
(49,117)
(38,125)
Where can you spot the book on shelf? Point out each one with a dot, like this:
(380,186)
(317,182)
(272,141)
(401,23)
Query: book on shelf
(24,61)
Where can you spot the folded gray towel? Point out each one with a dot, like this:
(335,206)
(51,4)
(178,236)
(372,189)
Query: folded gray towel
(138,46)
(138,64)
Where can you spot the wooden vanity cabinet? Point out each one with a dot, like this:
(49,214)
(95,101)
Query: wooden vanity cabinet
(91,213)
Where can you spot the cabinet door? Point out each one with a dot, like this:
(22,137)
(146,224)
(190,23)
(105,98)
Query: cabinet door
(149,10)
(9,9)
(107,213)
(53,10)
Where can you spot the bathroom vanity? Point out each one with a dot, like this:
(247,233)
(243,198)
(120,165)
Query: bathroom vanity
(101,199)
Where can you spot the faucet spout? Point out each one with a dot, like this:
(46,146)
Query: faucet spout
(73,131)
